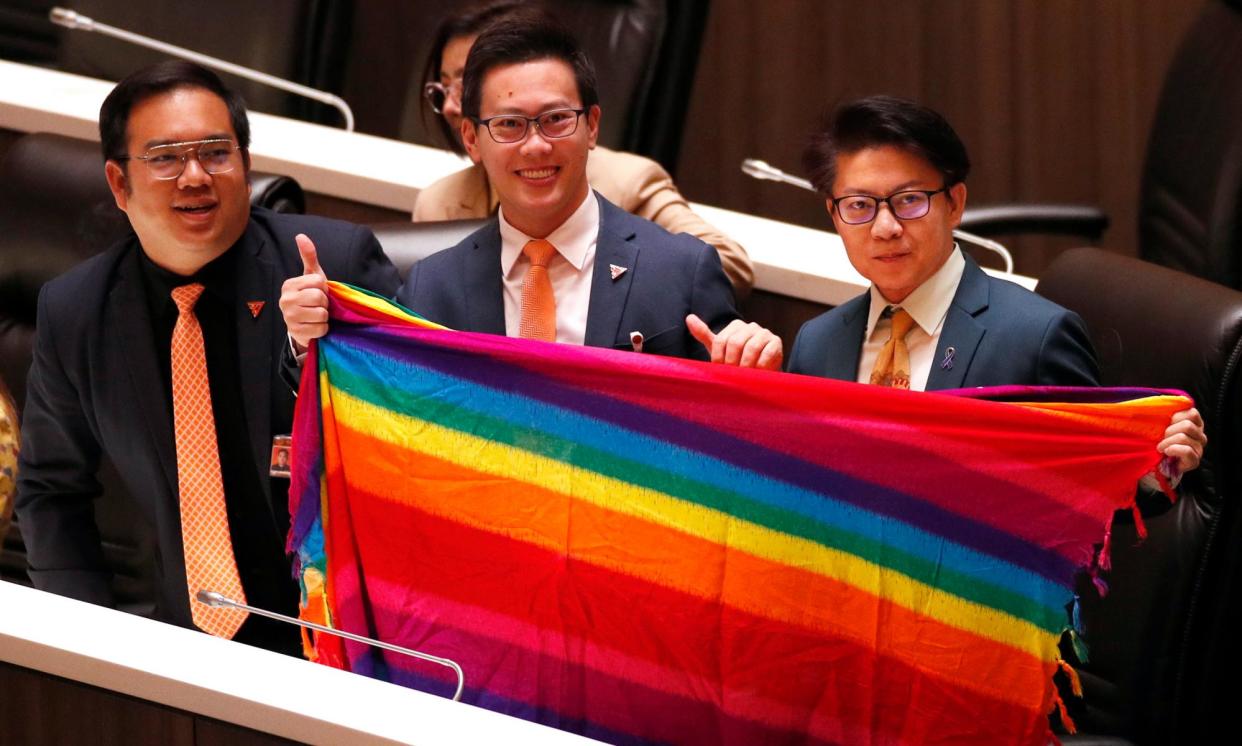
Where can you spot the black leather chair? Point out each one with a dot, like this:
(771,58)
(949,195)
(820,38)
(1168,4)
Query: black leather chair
(1190,205)
(1190,202)
(57,211)
(305,41)
(1148,677)
(645,54)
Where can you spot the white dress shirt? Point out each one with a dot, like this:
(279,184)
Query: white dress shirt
(928,305)
(570,269)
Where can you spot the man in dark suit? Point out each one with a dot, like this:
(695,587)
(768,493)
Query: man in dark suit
(558,262)
(894,176)
(160,355)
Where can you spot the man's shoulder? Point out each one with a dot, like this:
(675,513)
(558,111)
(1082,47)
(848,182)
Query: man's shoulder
(833,318)
(89,282)
(1020,305)
(626,225)
(451,259)
(285,226)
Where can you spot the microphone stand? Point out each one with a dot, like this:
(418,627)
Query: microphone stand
(72,20)
(216,600)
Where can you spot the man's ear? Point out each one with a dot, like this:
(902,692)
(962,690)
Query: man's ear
(245,154)
(118,182)
(832,214)
(470,139)
(592,117)
(957,202)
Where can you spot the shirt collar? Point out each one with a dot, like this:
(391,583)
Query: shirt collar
(572,239)
(928,304)
(217,277)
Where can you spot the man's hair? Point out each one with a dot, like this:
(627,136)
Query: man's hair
(160,78)
(877,121)
(470,21)
(525,38)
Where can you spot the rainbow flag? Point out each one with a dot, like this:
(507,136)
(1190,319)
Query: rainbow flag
(651,550)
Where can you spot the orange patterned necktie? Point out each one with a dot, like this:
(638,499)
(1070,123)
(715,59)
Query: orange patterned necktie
(209,561)
(892,366)
(538,305)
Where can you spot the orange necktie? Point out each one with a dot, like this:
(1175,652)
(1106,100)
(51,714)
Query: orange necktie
(892,365)
(209,562)
(538,305)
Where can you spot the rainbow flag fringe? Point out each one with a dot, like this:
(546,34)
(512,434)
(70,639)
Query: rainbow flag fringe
(650,550)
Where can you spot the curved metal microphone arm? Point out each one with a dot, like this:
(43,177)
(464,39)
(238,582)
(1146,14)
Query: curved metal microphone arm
(211,598)
(73,20)
(761,170)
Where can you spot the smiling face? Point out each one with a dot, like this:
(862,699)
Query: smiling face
(540,180)
(182,223)
(897,256)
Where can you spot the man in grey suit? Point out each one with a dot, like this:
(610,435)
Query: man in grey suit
(607,279)
(894,176)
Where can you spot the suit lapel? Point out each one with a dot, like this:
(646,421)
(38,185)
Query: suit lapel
(609,296)
(962,331)
(258,341)
(485,305)
(844,345)
(127,302)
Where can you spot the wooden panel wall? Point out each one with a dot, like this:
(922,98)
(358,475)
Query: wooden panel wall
(1052,97)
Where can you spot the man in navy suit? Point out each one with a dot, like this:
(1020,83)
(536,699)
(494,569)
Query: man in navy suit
(894,176)
(102,381)
(531,118)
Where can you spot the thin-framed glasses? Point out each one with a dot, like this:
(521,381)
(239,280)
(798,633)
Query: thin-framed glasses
(909,204)
(437,93)
(553,124)
(166,162)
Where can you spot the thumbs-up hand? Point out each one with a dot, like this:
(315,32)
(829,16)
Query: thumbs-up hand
(747,345)
(304,299)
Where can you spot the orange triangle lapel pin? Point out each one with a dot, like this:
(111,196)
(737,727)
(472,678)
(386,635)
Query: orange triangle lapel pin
(256,307)
(616,271)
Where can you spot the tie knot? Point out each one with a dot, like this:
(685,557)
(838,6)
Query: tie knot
(186,296)
(902,322)
(539,252)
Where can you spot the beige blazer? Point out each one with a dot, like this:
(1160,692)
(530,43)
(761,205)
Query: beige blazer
(636,184)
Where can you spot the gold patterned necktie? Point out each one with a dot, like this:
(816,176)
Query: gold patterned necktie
(892,366)
(208,546)
(538,320)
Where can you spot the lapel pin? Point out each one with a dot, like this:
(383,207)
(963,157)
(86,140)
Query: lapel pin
(636,341)
(616,271)
(947,363)
(255,306)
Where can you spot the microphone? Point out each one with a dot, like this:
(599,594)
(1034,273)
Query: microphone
(758,169)
(214,599)
(73,20)
(761,170)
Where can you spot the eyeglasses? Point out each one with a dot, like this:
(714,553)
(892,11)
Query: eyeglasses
(857,209)
(437,93)
(553,124)
(166,162)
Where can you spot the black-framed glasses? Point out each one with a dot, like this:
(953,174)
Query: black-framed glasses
(908,204)
(167,162)
(437,93)
(554,124)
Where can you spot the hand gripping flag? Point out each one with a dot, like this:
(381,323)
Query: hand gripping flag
(644,549)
